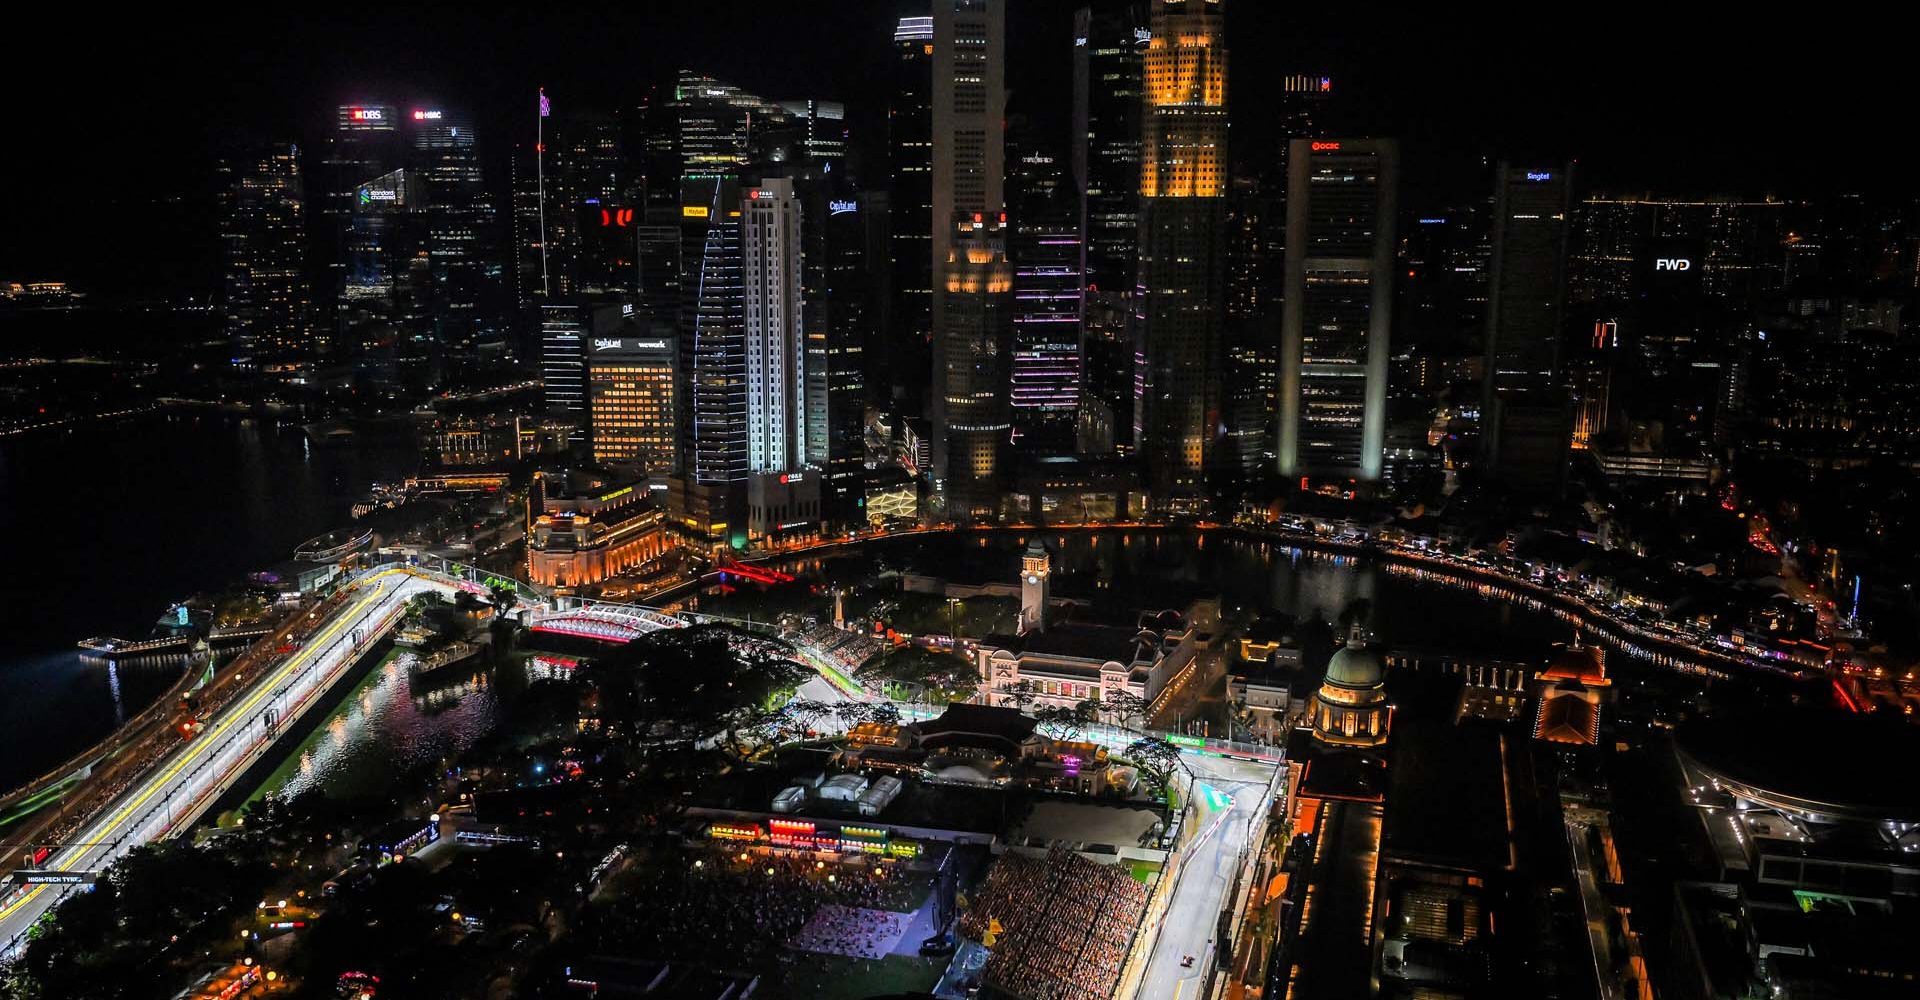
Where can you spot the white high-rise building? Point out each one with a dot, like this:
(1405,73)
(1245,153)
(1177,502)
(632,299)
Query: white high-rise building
(776,349)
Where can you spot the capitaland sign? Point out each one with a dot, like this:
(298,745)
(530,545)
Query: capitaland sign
(627,344)
(842,207)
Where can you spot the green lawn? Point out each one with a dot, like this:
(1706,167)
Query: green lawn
(855,978)
(1143,871)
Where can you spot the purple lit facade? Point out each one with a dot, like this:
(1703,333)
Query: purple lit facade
(1047,291)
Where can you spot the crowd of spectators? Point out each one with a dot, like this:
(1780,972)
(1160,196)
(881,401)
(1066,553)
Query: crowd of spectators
(727,912)
(853,931)
(1065,924)
(846,650)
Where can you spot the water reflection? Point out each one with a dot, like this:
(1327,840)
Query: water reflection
(390,725)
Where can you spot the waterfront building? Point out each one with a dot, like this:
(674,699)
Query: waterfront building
(1525,411)
(263,238)
(630,390)
(582,529)
(1337,313)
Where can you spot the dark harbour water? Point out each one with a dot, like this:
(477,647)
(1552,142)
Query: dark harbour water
(104,526)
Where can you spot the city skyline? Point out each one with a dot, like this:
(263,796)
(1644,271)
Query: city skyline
(1091,500)
(1670,127)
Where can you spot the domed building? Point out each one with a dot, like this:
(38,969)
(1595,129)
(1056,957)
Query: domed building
(1350,709)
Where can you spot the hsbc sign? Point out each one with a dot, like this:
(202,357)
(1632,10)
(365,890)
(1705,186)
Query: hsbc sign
(1673,264)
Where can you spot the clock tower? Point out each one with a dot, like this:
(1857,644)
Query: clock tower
(1035,567)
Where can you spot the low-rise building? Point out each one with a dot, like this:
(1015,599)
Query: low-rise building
(582,529)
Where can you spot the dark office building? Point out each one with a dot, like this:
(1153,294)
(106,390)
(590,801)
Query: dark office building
(1338,310)
(263,236)
(1179,294)
(910,216)
(363,144)
(1109,43)
(839,317)
(463,303)
(1526,417)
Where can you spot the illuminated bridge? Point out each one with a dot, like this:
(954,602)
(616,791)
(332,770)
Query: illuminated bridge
(606,622)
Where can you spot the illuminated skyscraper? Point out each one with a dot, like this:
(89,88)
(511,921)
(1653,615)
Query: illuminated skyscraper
(910,216)
(563,349)
(1047,290)
(971,316)
(1525,417)
(262,229)
(1178,299)
(716,123)
(630,391)
(1339,307)
(776,349)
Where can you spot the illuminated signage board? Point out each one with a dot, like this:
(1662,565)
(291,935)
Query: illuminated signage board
(628,344)
(841,207)
(426,116)
(694,211)
(57,878)
(1673,264)
(619,218)
(1323,147)
(367,114)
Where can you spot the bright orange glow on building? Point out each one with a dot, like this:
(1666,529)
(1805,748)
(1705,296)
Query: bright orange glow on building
(1185,76)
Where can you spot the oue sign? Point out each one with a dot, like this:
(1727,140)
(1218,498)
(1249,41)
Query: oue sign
(1673,264)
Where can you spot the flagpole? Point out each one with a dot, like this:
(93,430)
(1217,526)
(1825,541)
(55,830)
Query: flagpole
(540,174)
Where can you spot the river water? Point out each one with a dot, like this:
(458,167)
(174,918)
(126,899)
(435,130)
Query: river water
(105,526)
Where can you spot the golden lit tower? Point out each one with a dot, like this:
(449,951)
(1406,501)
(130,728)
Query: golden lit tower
(972,288)
(1178,300)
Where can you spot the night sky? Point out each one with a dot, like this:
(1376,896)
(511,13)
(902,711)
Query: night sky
(118,120)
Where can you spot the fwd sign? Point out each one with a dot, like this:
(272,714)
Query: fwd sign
(1672,264)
